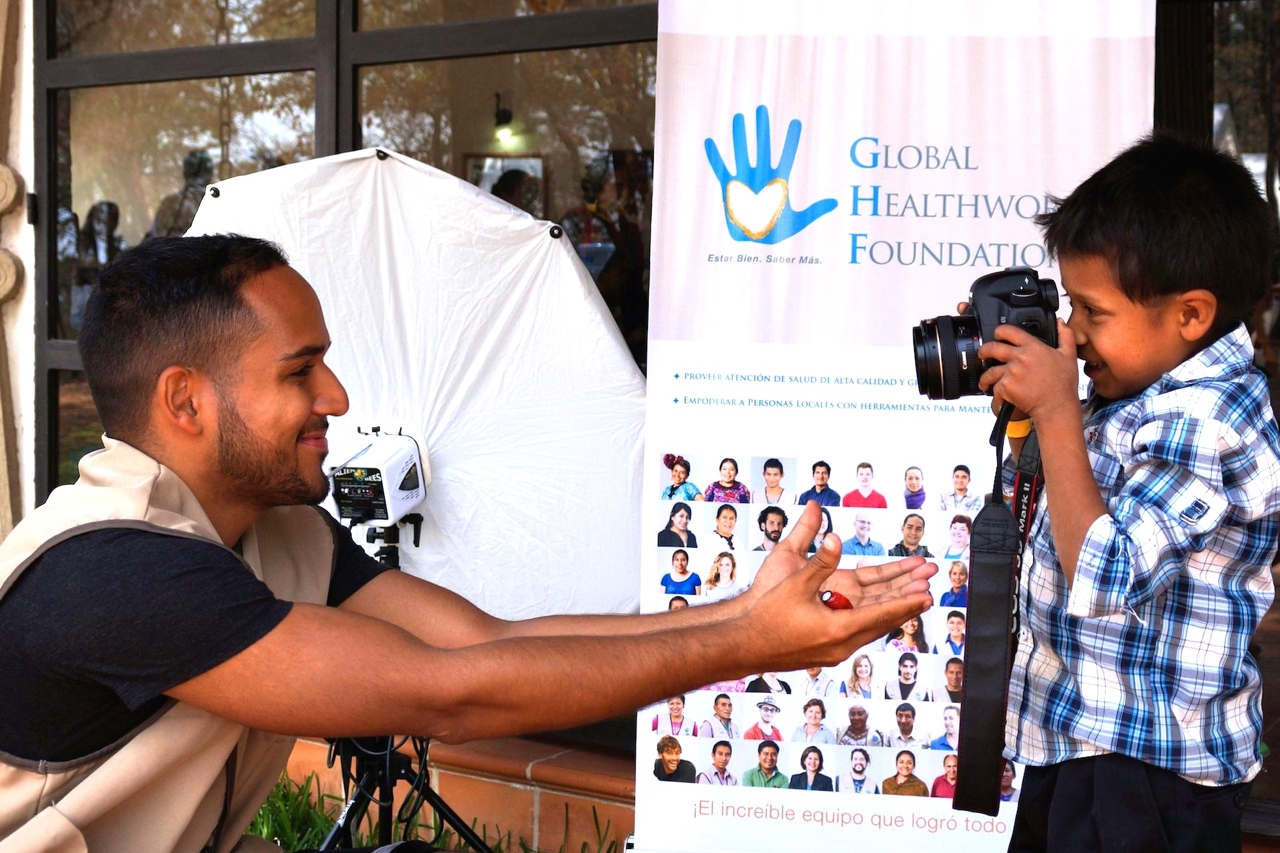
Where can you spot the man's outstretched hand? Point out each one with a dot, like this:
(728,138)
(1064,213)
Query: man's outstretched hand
(785,596)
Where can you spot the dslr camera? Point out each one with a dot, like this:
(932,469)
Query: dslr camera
(947,363)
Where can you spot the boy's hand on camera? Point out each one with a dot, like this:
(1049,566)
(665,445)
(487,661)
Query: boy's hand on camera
(1036,378)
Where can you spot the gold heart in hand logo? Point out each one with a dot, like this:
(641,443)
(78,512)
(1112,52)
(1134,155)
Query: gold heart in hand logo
(755,213)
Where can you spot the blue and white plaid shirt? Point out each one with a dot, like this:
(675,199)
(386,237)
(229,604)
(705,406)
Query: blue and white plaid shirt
(1147,654)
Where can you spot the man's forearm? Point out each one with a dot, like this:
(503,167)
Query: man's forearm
(324,671)
(627,624)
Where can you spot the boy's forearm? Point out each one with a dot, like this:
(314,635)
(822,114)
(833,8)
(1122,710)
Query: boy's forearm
(1074,499)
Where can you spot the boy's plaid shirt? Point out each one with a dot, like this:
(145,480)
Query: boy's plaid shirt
(1147,655)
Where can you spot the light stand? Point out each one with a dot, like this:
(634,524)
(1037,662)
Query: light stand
(376,487)
(378,762)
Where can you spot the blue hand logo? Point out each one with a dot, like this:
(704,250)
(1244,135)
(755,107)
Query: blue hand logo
(757,203)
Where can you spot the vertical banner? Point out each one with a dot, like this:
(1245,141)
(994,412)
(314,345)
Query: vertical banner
(828,174)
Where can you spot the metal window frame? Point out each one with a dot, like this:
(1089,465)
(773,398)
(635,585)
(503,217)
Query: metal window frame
(335,55)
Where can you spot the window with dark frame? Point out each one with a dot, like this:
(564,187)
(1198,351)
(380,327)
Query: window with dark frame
(213,90)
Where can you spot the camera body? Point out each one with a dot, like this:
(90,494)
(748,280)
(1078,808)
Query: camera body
(946,348)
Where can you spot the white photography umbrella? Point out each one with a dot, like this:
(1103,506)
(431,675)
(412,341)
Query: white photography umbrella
(473,327)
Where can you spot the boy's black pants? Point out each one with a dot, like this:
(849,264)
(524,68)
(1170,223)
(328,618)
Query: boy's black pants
(1113,803)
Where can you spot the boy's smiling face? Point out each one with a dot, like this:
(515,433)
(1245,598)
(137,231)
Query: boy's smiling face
(1125,345)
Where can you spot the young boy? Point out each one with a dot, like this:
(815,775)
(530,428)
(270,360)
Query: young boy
(1134,700)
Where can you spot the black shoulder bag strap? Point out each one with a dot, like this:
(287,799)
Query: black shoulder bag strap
(994,573)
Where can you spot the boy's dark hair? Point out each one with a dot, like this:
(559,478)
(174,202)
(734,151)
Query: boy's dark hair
(1171,216)
(171,300)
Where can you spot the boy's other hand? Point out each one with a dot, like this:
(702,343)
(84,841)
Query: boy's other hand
(1037,378)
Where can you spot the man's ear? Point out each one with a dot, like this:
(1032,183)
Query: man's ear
(1197,311)
(184,400)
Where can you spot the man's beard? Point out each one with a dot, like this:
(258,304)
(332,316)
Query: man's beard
(259,473)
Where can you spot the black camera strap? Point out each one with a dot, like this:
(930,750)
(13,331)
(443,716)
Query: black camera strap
(994,575)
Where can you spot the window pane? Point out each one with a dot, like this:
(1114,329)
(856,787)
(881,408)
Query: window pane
(79,430)
(580,130)
(380,14)
(92,27)
(133,161)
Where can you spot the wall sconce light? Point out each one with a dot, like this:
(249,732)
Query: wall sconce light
(501,119)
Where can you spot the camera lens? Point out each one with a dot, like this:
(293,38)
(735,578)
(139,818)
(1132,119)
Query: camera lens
(947,363)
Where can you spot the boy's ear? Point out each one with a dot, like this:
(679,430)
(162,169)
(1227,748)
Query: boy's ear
(1197,311)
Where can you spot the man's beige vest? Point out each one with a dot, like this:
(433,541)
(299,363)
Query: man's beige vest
(162,787)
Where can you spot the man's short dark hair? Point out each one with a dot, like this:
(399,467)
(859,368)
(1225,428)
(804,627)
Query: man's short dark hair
(768,511)
(1171,216)
(171,300)
(951,661)
(908,656)
(858,749)
(764,743)
(906,706)
(866,465)
(964,468)
(720,696)
(721,743)
(772,463)
(820,464)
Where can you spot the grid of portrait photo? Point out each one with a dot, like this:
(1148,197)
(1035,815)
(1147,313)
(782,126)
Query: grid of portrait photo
(885,720)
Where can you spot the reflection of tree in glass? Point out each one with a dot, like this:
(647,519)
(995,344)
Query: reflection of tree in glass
(587,112)
(407,109)
(1246,68)
(127,143)
(377,14)
(90,27)
(574,107)
(1240,69)
(591,101)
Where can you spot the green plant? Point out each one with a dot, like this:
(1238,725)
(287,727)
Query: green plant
(602,835)
(295,817)
(446,839)
(298,817)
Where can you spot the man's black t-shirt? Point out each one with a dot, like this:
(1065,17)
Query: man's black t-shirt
(94,632)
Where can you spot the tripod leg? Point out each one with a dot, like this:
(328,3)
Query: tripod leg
(465,832)
(353,811)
